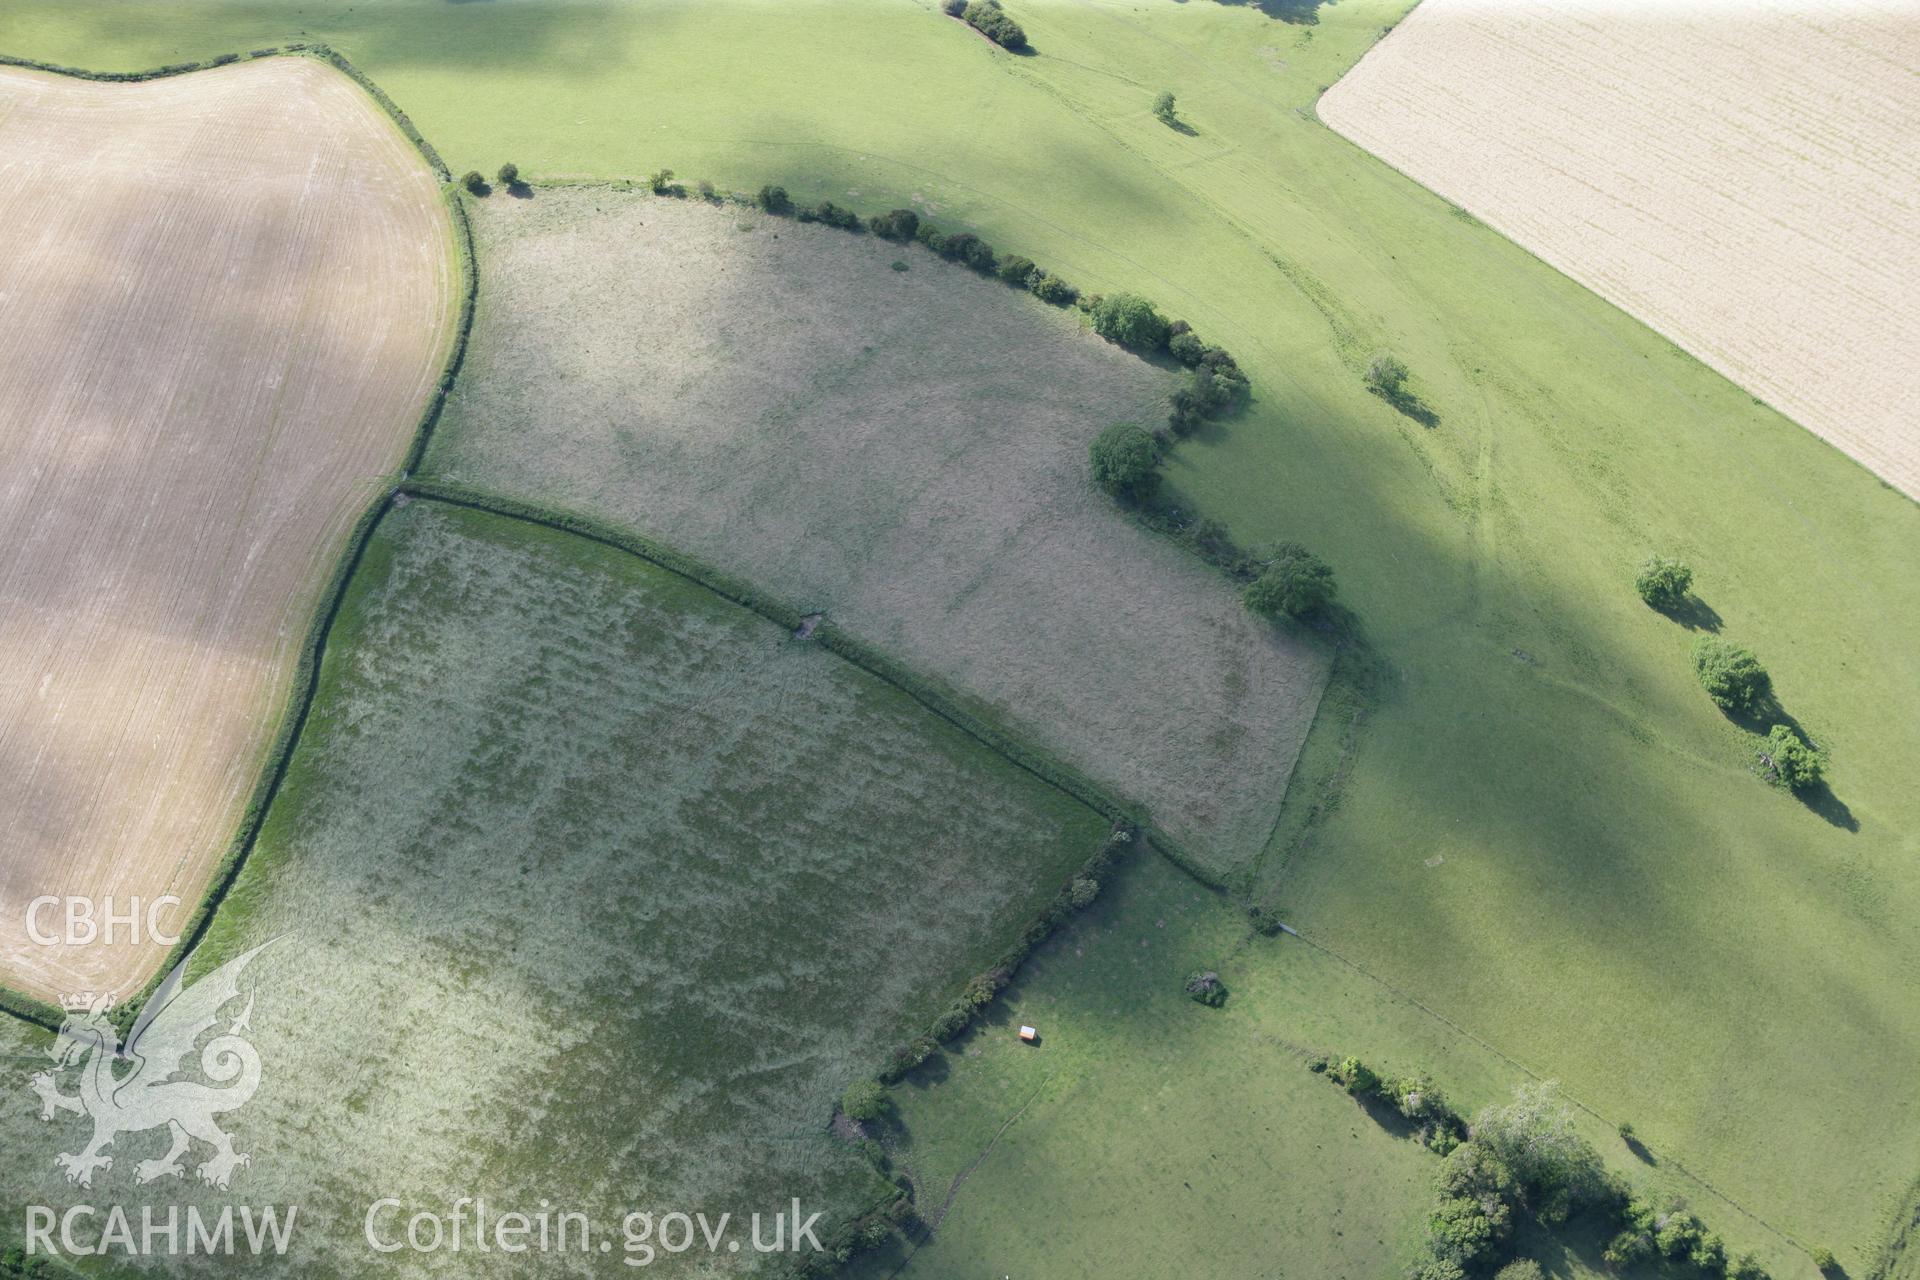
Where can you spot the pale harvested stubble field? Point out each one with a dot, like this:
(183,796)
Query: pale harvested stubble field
(1739,176)
(904,450)
(232,293)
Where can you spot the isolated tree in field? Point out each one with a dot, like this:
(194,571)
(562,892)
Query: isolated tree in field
(1131,321)
(1126,461)
(1789,761)
(1730,674)
(864,1100)
(1386,376)
(509,175)
(661,181)
(1663,583)
(1825,1261)
(1163,109)
(1295,582)
(474,181)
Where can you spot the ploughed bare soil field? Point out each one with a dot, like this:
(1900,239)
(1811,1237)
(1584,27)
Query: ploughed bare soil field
(241,289)
(1739,176)
(904,450)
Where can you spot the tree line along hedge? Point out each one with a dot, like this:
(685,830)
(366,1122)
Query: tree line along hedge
(1527,1159)
(1214,383)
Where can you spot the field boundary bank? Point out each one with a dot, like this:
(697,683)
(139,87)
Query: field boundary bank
(305,681)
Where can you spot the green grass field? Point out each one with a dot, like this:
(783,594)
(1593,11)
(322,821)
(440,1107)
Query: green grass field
(1148,1135)
(1543,830)
(595,887)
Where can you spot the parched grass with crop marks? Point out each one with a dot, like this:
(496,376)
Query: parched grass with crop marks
(242,291)
(1541,829)
(595,887)
(905,452)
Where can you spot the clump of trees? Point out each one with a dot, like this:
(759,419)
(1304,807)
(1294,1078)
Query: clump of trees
(990,20)
(864,1100)
(1736,681)
(1294,583)
(1790,761)
(1524,1269)
(1131,321)
(831,214)
(1052,289)
(962,247)
(1663,583)
(1126,461)
(1207,989)
(1163,110)
(1730,674)
(895,224)
(774,200)
(1436,1124)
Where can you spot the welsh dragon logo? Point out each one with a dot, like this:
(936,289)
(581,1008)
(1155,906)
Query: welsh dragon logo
(134,1087)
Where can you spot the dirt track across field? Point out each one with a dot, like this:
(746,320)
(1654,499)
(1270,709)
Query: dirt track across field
(233,291)
(1739,176)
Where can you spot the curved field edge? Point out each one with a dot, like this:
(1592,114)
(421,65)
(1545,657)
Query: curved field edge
(1584,172)
(304,678)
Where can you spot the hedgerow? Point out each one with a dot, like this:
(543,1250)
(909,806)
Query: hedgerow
(1527,1159)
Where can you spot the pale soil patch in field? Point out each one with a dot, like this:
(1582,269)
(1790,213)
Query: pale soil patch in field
(232,293)
(1741,177)
(905,451)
